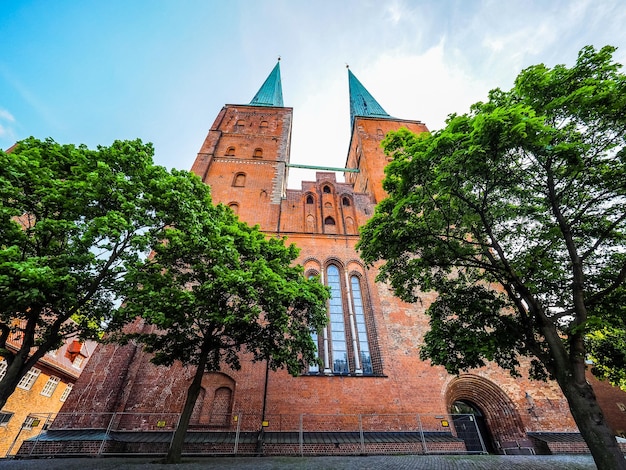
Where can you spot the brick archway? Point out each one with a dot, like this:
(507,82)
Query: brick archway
(501,415)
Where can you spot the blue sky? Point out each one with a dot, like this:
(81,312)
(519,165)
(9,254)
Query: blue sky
(94,71)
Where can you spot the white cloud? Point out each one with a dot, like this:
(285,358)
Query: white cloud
(7,134)
(394,11)
(426,87)
(5,115)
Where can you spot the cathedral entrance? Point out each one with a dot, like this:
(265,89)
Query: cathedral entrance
(470,425)
(487,418)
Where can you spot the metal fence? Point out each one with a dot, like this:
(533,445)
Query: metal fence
(96,434)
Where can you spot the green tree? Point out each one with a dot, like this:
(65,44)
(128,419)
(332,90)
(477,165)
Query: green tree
(72,221)
(606,342)
(515,214)
(216,289)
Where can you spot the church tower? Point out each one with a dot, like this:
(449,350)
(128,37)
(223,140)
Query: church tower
(245,155)
(369,123)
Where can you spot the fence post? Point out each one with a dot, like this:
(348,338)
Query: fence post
(419,422)
(174,433)
(237,434)
(301,436)
(361,435)
(106,434)
(8,454)
(36,438)
(480,437)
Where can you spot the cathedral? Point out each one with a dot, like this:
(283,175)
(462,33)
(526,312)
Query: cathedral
(370,392)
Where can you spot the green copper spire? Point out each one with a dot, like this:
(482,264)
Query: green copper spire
(271,92)
(361,102)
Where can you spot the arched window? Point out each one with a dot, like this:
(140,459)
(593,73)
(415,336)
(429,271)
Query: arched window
(350,228)
(361,327)
(326,189)
(220,412)
(240,124)
(380,133)
(234,207)
(315,367)
(258,153)
(310,223)
(339,348)
(230,152)
(239,180)
(263,124)
(347,346)
(197,408)
(329,221)
(346,201)
(309,199)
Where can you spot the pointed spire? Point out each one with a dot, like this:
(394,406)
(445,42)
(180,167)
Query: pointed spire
(271,92)
(361,102)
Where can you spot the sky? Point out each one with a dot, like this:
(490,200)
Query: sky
(92,72)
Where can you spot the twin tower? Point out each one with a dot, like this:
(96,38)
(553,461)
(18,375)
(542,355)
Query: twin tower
(370,377)
(246,159)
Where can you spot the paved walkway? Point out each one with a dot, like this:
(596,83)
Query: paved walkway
(384,462)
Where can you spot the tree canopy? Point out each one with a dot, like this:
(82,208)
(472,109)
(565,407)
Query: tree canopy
(515,214)
(72,222)
(217,289)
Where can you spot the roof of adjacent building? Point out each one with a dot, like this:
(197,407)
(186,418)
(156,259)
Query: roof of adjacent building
(271,92)
(61,360)
(362,103)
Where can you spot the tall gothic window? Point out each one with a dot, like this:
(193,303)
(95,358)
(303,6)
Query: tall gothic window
(339,353)
(345,346)
(361,327)
(315,367)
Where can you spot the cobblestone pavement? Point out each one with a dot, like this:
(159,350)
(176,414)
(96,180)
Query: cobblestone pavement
(396,462)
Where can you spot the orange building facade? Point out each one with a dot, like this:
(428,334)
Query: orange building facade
(41,392)
(370,377)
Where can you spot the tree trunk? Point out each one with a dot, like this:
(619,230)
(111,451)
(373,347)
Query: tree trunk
(176,448)
(19,365)
(592,425)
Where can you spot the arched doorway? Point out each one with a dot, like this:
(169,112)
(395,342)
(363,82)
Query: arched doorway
(489,407)
(470,425)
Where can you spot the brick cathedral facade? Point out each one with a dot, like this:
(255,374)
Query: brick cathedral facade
(369,353)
